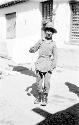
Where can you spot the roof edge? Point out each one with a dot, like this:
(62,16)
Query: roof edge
(11,3)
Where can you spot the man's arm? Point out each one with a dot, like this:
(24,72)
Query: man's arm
(35,47)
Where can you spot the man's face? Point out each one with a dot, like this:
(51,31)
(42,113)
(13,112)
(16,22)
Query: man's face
(48,34)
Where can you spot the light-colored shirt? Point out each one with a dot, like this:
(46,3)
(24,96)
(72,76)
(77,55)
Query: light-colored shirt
(47,55)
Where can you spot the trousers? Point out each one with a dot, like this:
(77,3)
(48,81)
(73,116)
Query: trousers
(40,77)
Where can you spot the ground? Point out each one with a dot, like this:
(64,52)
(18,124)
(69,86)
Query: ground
(17,94)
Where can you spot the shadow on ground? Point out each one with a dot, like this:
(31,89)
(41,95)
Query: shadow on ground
(24,70)
(69,116)
(72,88)
(32,90)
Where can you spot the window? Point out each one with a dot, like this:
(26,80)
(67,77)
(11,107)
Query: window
(74,21)
(11,25)
(47,8)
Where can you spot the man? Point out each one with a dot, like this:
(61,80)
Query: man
(45,63)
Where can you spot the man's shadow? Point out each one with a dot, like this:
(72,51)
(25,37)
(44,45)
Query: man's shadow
(69,116)
(32,90)
(24,70)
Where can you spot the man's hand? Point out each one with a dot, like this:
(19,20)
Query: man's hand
(31,50)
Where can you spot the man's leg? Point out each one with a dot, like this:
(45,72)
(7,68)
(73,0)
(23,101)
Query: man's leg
(39,80)
(47,77)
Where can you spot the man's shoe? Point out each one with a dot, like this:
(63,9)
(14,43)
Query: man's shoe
(44,99)
(38,99)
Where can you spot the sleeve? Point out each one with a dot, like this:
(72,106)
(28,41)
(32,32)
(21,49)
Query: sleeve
(35,47)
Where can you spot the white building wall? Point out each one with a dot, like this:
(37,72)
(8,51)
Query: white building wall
(68,54)
(3,45)
(62,24)
(3,30)
(28,31)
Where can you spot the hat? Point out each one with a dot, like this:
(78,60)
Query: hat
(49,26)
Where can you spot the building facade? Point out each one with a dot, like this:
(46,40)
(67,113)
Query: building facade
(21,23)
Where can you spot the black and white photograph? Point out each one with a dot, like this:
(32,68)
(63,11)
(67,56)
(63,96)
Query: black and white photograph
(39,62)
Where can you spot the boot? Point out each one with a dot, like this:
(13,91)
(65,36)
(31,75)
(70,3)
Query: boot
(38,99)
(44,99)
